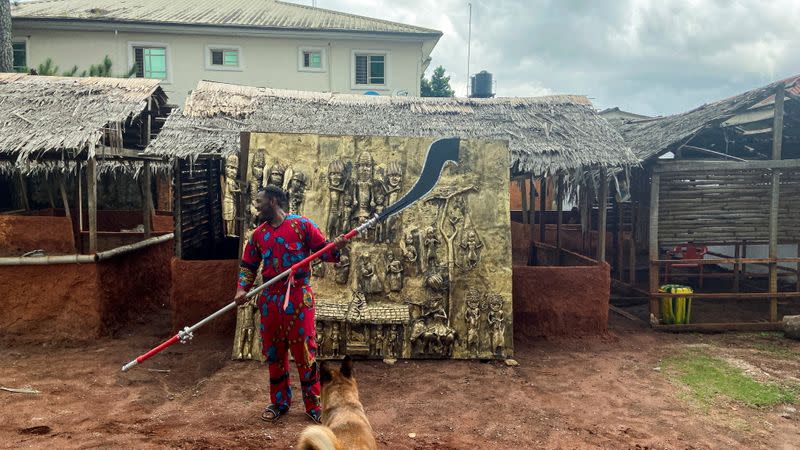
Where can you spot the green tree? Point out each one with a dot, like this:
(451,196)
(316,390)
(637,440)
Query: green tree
(95,70)
(437,86)
(6,48)
(47,68)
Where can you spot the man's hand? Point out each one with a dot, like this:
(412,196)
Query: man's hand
(340,242)
(241,298)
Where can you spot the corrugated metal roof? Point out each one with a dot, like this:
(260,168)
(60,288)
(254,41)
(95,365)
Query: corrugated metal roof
(269,14)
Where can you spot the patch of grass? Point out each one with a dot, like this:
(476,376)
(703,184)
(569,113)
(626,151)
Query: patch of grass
(709,378)
(775,349)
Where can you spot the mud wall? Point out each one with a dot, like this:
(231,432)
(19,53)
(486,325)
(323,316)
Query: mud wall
(554,301)
(201,287)
(21,234)
(82,301)
(136,284)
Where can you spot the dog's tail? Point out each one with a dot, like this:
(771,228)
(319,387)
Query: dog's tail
(318,437)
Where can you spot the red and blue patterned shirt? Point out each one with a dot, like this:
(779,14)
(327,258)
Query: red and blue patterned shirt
(281,247)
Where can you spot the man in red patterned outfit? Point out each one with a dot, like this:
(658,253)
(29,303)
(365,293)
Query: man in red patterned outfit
(279,242)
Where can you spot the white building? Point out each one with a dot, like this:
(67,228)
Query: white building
(254,42)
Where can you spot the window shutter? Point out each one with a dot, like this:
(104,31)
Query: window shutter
(216,57)
(138,59)
(361,69)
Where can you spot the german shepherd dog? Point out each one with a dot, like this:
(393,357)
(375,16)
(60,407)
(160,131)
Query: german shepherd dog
(344,424)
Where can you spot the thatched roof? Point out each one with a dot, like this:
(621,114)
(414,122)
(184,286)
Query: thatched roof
(654,137)
(545,134)
(50,122)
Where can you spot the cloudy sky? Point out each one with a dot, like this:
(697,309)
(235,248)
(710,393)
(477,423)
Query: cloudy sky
(646,56)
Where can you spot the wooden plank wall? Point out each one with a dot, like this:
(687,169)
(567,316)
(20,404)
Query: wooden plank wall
(726,206)
(199,216)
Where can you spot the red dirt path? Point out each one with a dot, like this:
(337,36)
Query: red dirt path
(592,393)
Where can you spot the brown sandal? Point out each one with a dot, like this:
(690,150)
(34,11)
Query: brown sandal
(272,413)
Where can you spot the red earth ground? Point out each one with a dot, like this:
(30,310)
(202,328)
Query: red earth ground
(606,392)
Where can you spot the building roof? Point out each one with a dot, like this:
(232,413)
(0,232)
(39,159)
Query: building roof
(545,134)
(62,117)
(263,14)
(653,137)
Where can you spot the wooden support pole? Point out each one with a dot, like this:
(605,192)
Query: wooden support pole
(149,124)
(79,180)
(63,190)
(241,203)
(585,210)
(91,195)
(653,250)
(532,219)
(737,268)
(50,196)
(176,209)
(602,215)
(542,209)
(632,244)
(147,200)
(777,141)
(23,189)
(523,194)
(560,209)
(618,243)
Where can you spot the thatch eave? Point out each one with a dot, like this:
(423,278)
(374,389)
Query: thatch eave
(545,134)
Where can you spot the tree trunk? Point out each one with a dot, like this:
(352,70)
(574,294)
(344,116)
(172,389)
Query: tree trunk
(6,50)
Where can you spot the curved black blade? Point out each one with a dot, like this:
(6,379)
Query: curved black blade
(440,151)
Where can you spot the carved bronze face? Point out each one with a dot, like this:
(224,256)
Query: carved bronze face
(231,166)
(276,174)
(365,167)
(496,303)
(335,179)
(297,182)
(258,165)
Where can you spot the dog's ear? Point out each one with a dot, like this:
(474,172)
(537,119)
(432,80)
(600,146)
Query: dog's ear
(325,374)
(347,367)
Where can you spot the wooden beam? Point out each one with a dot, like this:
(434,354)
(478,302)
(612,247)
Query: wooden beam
(777,143)
(711,166)
(722,295)
(147,200)
(713,153)
(602,215)
(653,237)
(717,327)
(624,313)
(91,195)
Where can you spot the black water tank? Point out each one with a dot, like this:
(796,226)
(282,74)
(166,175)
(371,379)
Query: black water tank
(482,85)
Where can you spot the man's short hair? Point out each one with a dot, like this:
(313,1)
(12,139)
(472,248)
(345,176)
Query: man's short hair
(276,193)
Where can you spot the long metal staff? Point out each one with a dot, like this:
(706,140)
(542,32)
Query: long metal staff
(439,152)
